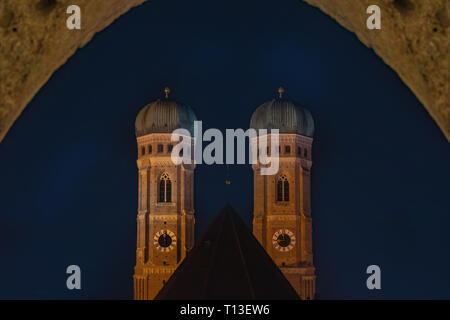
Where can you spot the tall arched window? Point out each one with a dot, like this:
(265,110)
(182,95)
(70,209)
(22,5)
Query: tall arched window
(286,190)
(165,188)
(282,188)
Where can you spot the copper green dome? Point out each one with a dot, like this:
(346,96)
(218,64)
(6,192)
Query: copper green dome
(285,115)
(164,116)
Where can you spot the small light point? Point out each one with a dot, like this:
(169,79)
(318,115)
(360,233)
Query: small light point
(167,91)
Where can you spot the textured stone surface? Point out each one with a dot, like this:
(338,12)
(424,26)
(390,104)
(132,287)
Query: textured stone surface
(159,213)
(34,42)
(274,214)
(413,40)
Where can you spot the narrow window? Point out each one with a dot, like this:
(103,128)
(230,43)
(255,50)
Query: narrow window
(306,153)
(165,189)
(143,151)
(162,190)
(286,190)
(168,190)
(160,148)
(169,148)
(299,151)
(283,189)
(150,149)
(280,190)
(287,149)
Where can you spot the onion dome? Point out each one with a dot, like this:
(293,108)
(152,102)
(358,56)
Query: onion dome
(286,115)
(164,116)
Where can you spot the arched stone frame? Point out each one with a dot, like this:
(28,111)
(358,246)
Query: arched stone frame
(421,69)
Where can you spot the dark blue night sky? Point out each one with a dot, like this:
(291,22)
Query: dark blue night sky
(68,176)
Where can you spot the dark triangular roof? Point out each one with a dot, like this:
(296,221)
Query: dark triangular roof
(227,263)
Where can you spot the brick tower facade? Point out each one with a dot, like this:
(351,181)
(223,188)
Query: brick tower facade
(282,205)
(165,221)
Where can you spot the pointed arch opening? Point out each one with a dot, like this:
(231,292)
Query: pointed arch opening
(283,188)
(165,188)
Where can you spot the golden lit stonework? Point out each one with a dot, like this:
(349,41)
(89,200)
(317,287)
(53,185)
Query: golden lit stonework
(165,220)
(282,202)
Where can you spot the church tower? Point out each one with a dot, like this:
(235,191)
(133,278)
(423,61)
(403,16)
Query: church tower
(282,205)
(165,220)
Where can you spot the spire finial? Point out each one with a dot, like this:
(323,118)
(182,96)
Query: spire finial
(227,185)
(280,92)
(167,91)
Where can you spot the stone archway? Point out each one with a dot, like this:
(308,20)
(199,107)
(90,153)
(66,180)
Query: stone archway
(413,40)
(34,43)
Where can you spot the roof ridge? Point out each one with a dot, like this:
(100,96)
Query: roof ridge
(228,262)
(213,256)
(241,254)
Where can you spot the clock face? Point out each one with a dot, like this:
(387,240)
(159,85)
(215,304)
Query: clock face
(283,240)
(165,240)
